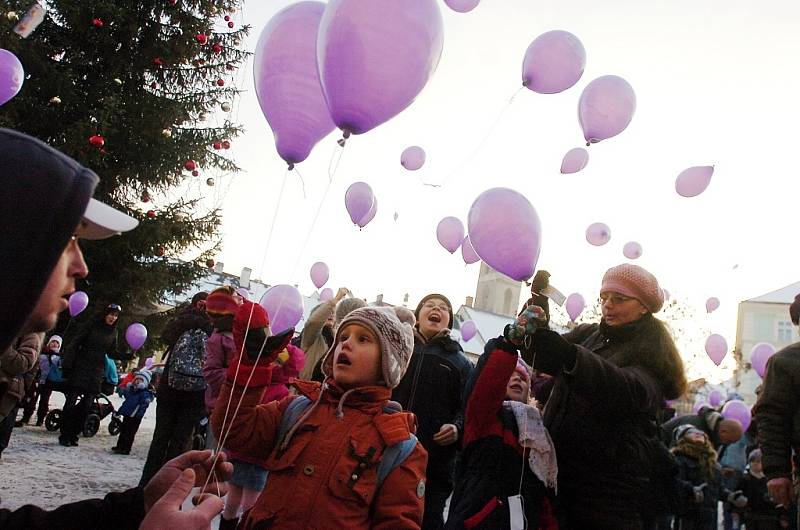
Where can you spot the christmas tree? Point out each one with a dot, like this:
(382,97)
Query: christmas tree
(139,91)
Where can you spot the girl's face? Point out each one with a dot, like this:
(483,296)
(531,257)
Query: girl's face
(53,345)
(434,316)
(756,467)
(696,437)
(619,309)
(517,388)
(111,318)
(357,357)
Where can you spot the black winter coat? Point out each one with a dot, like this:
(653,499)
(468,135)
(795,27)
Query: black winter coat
(699,515)
(778,412)
(601,416)
(432,388)
(84,361)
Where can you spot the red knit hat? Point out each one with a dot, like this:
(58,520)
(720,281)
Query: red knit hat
(220,302)
(636,282)
(248,312)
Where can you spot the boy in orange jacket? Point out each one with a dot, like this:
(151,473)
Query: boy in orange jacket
(339,454)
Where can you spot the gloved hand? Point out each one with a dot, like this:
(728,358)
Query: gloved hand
(699,496)
(737,499)
(272,347)
(549,352)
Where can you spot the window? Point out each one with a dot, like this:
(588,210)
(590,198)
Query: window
(785,331)
(764,328)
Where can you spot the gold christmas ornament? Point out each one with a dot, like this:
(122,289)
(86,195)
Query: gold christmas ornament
(55,100)
(210,181)
(226,106)
(12,15)
(117,80)
(166,133)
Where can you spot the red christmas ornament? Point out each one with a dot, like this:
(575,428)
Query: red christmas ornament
(210,263)
(220,82)
(97,22)
(173,2)
(201,61)
(227,18)
(217,145)
(226,144)
(157,61)
(217,48)
(202,38)
(160,251)
(97,141)
(190,165)
(230,24)
(151,214)
(195,173)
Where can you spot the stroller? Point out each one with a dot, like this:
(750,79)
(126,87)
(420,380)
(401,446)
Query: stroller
(99,410)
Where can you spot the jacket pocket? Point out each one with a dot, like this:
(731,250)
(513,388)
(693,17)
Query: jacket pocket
(286,461)
(354,478)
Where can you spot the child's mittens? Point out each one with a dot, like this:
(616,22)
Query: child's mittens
(699,496)
(738,499)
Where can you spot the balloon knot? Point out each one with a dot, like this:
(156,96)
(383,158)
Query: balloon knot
(291,167)
(588,144)
(341,142)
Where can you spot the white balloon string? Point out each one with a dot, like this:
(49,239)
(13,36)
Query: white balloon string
(272,225)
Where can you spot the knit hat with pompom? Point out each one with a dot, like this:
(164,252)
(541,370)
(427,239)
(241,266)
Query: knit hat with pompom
(394,328)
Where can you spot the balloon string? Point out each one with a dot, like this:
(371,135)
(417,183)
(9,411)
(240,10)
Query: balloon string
(333,168)
(481,144)
(302,181)
(272,226)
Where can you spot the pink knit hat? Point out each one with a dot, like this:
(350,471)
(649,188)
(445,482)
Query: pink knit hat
(634,281)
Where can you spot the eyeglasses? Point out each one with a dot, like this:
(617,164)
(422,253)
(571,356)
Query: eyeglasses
(441,307)
(614,298)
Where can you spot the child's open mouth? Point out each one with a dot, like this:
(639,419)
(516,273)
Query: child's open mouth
(434,317)
(343,359)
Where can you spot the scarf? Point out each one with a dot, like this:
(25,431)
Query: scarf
(534,436)
(704,453)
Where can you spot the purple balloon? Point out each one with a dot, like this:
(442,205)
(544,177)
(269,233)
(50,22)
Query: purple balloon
(319,274)
(699,405)
(364,221)
(736,409)
(759,356)
(716,348)
(468,253)
(148,363)
(505,232)
(450,233)
(606,108)
(375,56)
(462,6)
(712,304)
(244,293)
(598,234)
(632,250)
(575,305)
(715,397)
(135,335)
(12,75)
(287,80)
(575,160)
(358,200)
(284,306)
(553,62)
(693,181)
(412,158)
(468,330)
(78,301)
(326,294)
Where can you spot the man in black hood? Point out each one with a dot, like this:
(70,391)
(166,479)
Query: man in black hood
(45,207)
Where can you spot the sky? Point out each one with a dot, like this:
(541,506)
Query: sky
(716,84)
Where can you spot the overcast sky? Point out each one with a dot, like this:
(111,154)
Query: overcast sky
(716,84)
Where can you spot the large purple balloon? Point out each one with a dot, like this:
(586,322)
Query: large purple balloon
(468,330)
(412,158)
(77,303)
(553,62)
(715,397)
(693,181)
(575,305)
(284,305)
(319,274)
(632,250)
(450,233)
(598,234)
(12,75)
(737,409)
(606,108)
(287,80)
(716,348)
(468,253)
(358,200)
(759,356)
(135,335)
(375,56)
(712,304)
(505,232)
(462,6)
(575,160)
(370,215)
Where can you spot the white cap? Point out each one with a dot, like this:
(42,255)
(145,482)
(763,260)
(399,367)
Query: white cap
(101,221)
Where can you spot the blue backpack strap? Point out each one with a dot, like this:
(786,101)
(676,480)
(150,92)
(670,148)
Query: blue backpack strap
(291,415)
(393,456)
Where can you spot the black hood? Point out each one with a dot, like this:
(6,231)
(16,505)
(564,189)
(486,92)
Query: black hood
(43,195)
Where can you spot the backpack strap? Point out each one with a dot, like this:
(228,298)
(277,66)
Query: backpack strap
(393,456)
(291,415)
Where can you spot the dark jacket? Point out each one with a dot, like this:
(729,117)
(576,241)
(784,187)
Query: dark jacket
(601,416)
(699,515)
(17,368)
(778,412)
(84,361)
(136,401)
(432,388)
(707,420)
(492,460)
(188,319)
(760,509)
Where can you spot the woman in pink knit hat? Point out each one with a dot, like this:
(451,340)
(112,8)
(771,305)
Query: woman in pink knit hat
(611,380)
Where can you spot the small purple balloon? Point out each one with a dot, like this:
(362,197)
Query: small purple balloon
(468,253)
(148,363)
(715,397)
(462,6)
(450,233)
(370,215)
(606,108)
(78,301)
(284,306)
(553,62)
(736,409)
(598,234)
(319,274)
(712,304)
(575,160)
(326,294)
(699,405)
(575,305)
(693,181)
(716,348)
(412,158)
(505,232)
(759,355)
(358,200)
(12,75)
(468,330)
(287,80)
(632,250)
(135,335)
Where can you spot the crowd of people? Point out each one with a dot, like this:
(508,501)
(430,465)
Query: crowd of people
(374,417)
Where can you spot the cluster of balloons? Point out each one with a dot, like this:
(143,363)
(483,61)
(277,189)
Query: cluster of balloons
(361,203)
(284,305)
(319,274)
(343,64)
(12,75)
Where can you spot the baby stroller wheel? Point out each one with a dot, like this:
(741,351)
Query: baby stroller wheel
(115,425)
(52,422)
(91,425)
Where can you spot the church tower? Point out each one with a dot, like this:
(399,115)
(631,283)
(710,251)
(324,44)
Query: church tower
(497,293)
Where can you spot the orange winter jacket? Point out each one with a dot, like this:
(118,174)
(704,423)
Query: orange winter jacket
(326,475)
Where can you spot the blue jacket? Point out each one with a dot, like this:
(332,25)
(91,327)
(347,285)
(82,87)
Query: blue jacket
(136,402)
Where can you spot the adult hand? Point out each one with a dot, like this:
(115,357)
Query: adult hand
(550,352)
(341,293)
(167,513)
(447,435)
(780,489)
(699,496)
(200,463)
